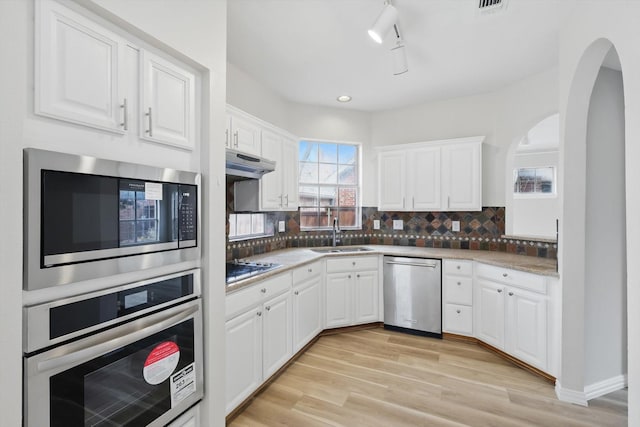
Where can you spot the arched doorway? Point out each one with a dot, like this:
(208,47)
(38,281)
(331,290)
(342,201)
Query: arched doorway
(593,230)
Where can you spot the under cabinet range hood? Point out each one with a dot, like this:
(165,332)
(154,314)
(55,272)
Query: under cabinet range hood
(247,166)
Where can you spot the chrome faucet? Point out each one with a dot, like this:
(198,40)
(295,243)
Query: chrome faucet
(336,231)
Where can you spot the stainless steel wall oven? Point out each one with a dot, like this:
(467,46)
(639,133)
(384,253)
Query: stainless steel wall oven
(126,356)
(88,218)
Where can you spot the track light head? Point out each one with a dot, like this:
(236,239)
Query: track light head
(384,22)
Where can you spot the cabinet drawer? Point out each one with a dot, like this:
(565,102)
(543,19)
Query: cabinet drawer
(464,268)
(245,298)
(458,290)
(351,263)
(517,278)
(458,319)
(308,271)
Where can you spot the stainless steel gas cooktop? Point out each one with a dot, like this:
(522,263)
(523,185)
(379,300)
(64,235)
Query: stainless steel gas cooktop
(239,270)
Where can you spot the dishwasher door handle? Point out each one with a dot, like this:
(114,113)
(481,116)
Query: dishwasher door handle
(414,264)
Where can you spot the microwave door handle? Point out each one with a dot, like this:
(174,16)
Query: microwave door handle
(130,334)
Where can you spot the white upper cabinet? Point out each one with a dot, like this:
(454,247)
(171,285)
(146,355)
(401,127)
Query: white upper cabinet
(243,132)
(77,75)
(431,176)
(279,189)
(85,73)
(168,99)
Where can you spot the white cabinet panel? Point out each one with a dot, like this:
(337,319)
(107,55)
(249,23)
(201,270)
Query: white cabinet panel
(168,99)
(458,289)
(271,195)
(78,75)
(290,174)
(276,333)
(458,319)
(307,318)
(527,326)
(391,180)
(243,133)
(490,319)
(366,296)
(243,357)
(338,302)
(423,179)
(462,176)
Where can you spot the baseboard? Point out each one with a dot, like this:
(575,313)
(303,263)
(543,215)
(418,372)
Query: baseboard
(607,386)
(591,391)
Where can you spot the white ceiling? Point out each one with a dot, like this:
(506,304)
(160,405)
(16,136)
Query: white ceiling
(311,51)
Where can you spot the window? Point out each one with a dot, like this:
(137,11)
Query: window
(329,185)
(138,218)
(249,226)
(534,181)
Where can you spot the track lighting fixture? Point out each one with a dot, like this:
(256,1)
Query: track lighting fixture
(384,22)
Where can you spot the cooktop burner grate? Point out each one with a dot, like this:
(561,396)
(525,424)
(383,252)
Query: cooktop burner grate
(239,270)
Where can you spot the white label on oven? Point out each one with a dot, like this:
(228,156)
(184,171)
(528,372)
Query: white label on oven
(161,362)
(183,384)
(152,191)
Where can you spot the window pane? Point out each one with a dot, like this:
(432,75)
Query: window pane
(348,217)
(309,217)
(145,209)
(328,153)
(308,151)
(308,196)
(347,154)
(544,180)
(243,224)
(127,232)
(348,197)
(328,196)
(347,175)
(257,225)
(308,173)
(328,174)
(232,225)
(146,231)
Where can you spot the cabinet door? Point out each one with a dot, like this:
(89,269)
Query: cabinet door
(458,319)
(290,174)
(462,176)
(245,135)
(366,296)
(489,308)
(276,336)
(168,102)
(527,327)
(271,195)
(307,319)
(423,179)
(78,75)
(391,180)
(338,302)
(244,356)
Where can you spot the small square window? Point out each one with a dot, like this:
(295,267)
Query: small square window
(535,181)
(250,226)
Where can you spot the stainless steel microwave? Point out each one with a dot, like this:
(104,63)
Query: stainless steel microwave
(88,218)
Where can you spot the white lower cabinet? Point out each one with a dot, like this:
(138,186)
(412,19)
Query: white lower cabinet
(352,290)
(457,300)
(307,304)
(512,313)
(258,336)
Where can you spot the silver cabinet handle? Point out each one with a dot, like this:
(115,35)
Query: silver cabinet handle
(358,276)
(499,291)
(504,274)
(296,293)
(150,130)
(354,263)
(281,200)
(286,197)
(310,270)
(226,138)
(259,313)
(510,294)
(263,290)
(458,267)
(413,202)
(125,115)
(403,202)
(349,277)
(268,308)
(235,136)
(458,311)
(459,283)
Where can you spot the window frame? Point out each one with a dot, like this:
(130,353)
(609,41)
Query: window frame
(267,225)
(328,210)
(535,194)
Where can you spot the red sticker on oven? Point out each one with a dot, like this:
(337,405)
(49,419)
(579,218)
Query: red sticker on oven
(161,362)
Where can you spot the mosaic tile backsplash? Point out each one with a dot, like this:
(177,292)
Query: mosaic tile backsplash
(478,231)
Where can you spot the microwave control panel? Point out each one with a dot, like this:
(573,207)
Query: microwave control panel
(188,216)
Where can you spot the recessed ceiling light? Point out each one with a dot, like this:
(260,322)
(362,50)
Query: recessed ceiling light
(344,98)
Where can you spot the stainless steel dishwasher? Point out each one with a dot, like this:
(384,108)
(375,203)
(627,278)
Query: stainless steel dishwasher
(413,295)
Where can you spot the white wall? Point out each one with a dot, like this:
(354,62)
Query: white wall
(503,117)
(605,288)
(586,37)
(533,215)
(198,30)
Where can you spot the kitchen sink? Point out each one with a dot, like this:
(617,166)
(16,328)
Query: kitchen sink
(340,250)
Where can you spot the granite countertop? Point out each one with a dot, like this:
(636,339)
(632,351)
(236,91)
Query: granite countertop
(296,257)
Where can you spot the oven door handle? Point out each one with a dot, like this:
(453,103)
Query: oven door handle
(127,334)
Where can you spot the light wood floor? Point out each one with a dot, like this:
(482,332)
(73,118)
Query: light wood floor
(382,378)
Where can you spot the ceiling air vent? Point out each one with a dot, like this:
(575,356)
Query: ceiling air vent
(491,6)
